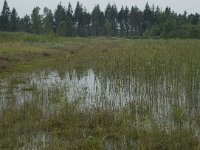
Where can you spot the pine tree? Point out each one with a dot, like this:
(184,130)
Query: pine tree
(102,24)
(25,24)
(96,20)
(149,22)
(168,11)
(114,19)
(135,21)
(121,21)
(59,15)
(194,18)
(111,20)
(78,17)
(36,21)
(5,17)
(70,20)
(14,21)
(48,21)
(126,13)
(108,20)
(148,17)
(86,22)
(157,15)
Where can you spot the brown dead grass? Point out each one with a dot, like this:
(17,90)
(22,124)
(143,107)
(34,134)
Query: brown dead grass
(5,63)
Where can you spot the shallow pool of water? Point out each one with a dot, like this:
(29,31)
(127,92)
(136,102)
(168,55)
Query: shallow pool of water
(158,100)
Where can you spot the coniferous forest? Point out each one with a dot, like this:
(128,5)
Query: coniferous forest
(123,22)
(116,22)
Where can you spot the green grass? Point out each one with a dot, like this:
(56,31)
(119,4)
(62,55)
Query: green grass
(172,65)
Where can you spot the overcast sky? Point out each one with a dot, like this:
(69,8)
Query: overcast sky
(26,6)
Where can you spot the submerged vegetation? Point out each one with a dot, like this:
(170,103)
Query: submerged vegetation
(98,93)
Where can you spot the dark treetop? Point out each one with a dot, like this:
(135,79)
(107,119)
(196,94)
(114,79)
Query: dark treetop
(123,22)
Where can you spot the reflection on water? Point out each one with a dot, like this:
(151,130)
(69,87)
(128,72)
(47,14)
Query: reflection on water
(160,98)
(165,102)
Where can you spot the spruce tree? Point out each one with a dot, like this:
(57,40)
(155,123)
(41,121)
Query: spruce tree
(135,21)
(59,15)
(148,17)
(114,19)
(96,20)
(111,20)
(78,17)
(86,23)
(14,21)
(108,20)
(5,17)
(25,24)
(121,21)
(126,13)
(36,21)
(48,21)
(70,20)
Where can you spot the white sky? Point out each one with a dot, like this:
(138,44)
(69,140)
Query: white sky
(26,6)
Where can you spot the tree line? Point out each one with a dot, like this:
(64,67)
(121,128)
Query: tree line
(125,22)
